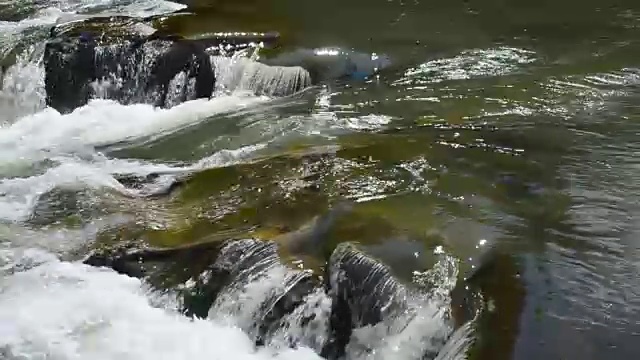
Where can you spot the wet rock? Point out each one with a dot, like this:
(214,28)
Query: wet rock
(211,270)
(71,206)
(125,59)
(140,66)
(124,260)
(57,205)
(217,277)
(163,268)
(363,292)
(245,261)
(134,181)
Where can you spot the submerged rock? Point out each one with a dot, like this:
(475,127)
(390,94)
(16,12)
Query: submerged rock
(332,64)
(134,260)
(154,184)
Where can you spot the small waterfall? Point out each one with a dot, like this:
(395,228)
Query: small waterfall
(307,325)
(390,319)
(242,72)
(282,307)
(244,284)
(426,327)
(458,344)
(124,74)
(260,290)
(125,79)
(124,69)
(22,90)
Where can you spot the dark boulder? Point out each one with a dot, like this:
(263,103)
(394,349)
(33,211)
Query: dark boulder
(216,277)
(164,267)
(124,59)
(363,293)
(139,66)
(127,60)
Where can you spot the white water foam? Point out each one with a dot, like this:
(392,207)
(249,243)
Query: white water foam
(38,10)
(61,310)
(70,140)
(105,122)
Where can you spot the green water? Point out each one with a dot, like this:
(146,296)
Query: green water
(515,122)
(542,91)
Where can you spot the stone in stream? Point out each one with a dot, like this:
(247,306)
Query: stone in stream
(133,260)
(57,205)
(363,293)
(216,274)
(213,270)
(141,61)
(125,59)
(243,262)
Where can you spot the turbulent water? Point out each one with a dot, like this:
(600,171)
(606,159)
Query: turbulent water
(50,308)
(53,307)
(515,125)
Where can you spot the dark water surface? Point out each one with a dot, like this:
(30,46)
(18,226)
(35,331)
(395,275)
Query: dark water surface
(514,122)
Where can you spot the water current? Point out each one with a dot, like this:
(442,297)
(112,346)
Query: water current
(511,124)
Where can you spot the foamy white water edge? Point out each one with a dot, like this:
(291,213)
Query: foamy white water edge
(62,310)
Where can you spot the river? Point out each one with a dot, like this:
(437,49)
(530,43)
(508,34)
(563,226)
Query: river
(511,123)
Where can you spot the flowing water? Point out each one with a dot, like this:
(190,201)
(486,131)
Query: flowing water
(506,123)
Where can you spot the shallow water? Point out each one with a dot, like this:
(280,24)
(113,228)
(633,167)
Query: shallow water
(510,123)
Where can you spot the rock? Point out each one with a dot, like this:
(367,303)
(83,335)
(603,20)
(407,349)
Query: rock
(311,238)
(127,60)
(133,260)
(363,293)
(153,185)
(214,277)
(210,270)
(141,68)
(246,261)
(133,62)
